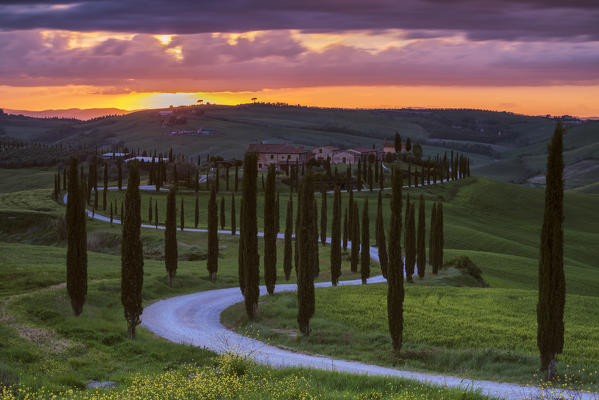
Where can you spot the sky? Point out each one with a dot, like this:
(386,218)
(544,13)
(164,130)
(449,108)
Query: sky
(527,56)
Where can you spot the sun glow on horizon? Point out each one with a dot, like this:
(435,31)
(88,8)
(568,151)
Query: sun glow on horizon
(554,100)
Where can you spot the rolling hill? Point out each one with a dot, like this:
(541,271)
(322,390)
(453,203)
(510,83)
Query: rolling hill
(503,146)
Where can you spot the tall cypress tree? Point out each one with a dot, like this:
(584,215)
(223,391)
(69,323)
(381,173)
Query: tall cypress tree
(288,234)
(323,218)
(76,240)
(111,214)
(233,216)
(270,234)
(365,254)
(439,236)
(120,174)
(132,262)
(395,271)
(410,243)
(306,267)
(380,236)
(355,239)
(236,178)
(420,240)
(212,260)
(278,214)
(150,211)
(105,191)
(182,213)
(345,230)
(222,213)
(241,252)
(156,214)
(196,215)
(432,241)
(170,235)
(336,239)
(552,285)
(316,257)
(249,232)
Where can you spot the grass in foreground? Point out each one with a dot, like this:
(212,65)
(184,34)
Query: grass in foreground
(232,377)
(479,333)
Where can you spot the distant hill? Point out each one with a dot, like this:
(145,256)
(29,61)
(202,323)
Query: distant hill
(72,113)
(503,146)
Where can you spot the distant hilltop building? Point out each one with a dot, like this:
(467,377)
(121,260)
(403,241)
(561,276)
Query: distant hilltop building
(282,155)
(279,154)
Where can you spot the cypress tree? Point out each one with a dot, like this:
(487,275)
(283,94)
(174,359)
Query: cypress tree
(217,179)
(122,212)
(111,214)
(150,211)
(236,178)
(297,228)
(227,178)
(323,218)
(270,235)
(182,213)
(212,260)
(380,236)
(241,252)
(350,213)
(170,235)
(306,267)
(397,143)
(552,285)
(196,215)
(355,239)
(345,230)
(249,232)
(233,217)
(365,254)
(222,213)
(410,243)
(156,214)
(420,240)
(132,262)
(432,242)
(316,257)
(76,240)
(105,191)
(359,178)
(370,177)
(120,174)
(395,271)
(288,233)
(439,236)
(96,203)
(278,215)
(336,239)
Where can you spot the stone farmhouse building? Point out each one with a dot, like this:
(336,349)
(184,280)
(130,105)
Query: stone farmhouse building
(324,152)
(280,155)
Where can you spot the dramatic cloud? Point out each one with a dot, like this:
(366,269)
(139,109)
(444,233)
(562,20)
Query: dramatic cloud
(477,19)
(279,59)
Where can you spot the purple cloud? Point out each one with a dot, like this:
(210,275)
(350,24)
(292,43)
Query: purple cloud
(478,20)
(278,59)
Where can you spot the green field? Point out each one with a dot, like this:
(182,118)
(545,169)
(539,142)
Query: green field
(475,332)
(494,224)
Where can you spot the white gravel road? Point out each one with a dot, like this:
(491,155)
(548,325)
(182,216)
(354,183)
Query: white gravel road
(194,319)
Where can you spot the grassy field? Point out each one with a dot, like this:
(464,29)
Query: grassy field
(495,224)
(482,333)
(474,332)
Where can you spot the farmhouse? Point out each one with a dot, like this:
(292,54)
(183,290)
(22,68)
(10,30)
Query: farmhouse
(324,152)
(279,154)
(345,157)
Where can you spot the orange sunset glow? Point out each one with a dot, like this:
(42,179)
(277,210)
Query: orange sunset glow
(53,63)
